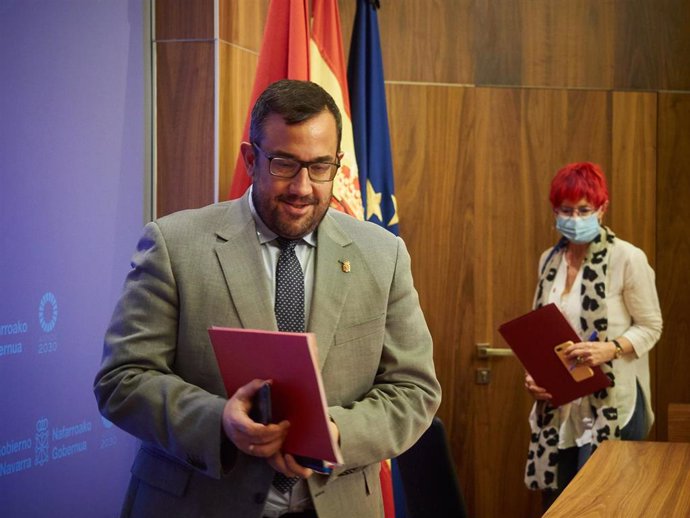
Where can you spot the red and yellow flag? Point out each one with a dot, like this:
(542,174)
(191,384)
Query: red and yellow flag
(284,55)
(289,50)
(327,68)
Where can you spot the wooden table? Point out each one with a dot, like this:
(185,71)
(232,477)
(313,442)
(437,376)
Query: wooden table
(629,479)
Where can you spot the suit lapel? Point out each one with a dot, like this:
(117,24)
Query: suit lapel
(331,284)
(239,255)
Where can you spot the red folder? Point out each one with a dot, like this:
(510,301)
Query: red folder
(533,337)
(297,394)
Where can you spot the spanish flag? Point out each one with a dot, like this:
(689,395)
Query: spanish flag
(327,68)
(290,50)
(284,55)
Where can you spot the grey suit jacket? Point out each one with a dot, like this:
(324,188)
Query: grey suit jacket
(159,379)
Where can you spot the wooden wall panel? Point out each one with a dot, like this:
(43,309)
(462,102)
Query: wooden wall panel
(241,27)
(185,125)
(241,22)
(434,190)
(632,178)
(545,43)
(184,19)
(672,22)
(237,69)
(498,59)
(638,44)
(652,44)
(428,41)
(637,51)
(673,253)
(567,43)
(347,9)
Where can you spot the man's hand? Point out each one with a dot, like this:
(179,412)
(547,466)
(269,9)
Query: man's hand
(248,436)
(288,466)
(333,429)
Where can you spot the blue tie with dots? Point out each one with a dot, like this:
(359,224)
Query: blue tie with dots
(289,306)
(289,310)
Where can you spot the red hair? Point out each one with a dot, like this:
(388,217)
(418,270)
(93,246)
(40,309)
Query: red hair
(579,180)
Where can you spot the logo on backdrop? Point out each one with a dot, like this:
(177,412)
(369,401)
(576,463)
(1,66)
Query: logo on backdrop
(48,312)
(13,331)
(42,443)
(47,444)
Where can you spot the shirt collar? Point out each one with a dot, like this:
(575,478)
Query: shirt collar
(265,234)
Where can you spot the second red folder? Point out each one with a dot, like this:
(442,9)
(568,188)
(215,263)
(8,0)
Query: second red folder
(533,337)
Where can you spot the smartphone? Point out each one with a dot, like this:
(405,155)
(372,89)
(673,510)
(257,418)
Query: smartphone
(260,412)
(578,372)
(315,464)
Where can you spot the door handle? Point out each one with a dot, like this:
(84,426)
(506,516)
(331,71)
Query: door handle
(484,351)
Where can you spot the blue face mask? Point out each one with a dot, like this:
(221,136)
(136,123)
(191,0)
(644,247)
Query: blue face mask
(578,230)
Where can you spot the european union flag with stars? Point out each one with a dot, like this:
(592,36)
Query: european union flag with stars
(370,119)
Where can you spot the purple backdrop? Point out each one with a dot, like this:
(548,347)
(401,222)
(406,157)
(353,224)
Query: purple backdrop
(71,208)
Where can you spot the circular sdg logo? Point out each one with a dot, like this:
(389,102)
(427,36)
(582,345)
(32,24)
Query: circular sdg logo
(48,312)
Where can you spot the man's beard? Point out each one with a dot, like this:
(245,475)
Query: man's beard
(274,219)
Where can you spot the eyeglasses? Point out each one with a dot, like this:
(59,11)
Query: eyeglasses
(319,172)
(569,212)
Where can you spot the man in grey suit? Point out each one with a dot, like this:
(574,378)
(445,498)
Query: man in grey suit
(201,455)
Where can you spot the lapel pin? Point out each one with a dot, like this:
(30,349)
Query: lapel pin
(345,265)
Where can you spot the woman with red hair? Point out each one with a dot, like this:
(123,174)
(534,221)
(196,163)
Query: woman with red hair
(605,288)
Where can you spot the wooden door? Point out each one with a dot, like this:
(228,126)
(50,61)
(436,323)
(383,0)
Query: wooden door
(473,167)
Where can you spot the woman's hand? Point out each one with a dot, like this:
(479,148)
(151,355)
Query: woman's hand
(537,392)
(591,353)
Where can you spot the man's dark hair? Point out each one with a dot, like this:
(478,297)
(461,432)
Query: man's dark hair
(295,101)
